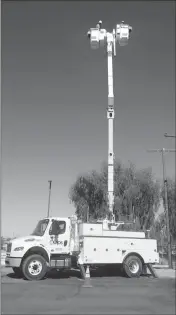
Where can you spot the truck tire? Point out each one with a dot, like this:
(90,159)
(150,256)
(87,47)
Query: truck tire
(133,266)
(34,267)
(17,271)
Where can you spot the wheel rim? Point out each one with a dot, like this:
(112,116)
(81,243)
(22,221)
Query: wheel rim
(133,266)
(35,267)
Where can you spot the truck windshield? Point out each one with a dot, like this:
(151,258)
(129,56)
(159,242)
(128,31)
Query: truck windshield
(41,227)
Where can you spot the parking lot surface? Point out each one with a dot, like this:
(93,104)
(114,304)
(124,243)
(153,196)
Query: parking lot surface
(65,294)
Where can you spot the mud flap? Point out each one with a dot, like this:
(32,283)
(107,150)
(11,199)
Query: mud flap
(149,266)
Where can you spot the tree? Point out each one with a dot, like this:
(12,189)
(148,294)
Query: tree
(136,194)
(126,190)
(171,194)
(148,199)
(87,195)
(158,229)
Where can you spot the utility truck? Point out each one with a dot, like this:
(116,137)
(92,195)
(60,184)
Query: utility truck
(65,243)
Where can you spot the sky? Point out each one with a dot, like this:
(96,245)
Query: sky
(54,99)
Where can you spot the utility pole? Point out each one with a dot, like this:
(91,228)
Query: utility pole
(169,136)
(163,151)
(50,182)
(99,37)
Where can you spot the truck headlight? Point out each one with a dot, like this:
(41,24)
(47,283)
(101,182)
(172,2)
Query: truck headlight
(17,249)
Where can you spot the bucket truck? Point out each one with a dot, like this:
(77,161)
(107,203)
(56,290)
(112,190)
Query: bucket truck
(65,243)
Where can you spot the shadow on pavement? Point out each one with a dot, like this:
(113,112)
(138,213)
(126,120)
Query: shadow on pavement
(13,276)
(75,273)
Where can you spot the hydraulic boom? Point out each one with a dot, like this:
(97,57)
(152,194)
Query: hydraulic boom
(100,37)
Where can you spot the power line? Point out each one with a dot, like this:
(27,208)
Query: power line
(169,136)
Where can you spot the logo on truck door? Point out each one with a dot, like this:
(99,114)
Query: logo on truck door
(54,240)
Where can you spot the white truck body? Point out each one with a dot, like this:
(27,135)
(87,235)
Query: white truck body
(100,245)
(82,243)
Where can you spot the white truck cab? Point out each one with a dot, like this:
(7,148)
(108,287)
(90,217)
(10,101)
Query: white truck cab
(64,243)
(53,240)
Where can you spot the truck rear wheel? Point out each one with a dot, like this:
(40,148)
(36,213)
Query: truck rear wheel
(34,267)
(133,266)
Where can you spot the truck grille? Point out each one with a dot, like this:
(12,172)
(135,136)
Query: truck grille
(9,247)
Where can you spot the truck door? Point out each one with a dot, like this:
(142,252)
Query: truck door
(59,237)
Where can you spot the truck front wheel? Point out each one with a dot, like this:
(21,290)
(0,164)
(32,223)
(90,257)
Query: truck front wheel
(34,267)
(133,266)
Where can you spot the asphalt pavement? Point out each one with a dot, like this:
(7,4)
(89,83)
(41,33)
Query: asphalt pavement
(65,294)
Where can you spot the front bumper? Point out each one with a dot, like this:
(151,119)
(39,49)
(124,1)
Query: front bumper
(12,262)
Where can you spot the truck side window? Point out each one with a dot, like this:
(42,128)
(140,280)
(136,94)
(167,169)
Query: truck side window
(57,228)
(62,227)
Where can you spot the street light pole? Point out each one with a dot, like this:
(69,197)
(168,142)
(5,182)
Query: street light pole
(100,37)
(163,151)
(50,182)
